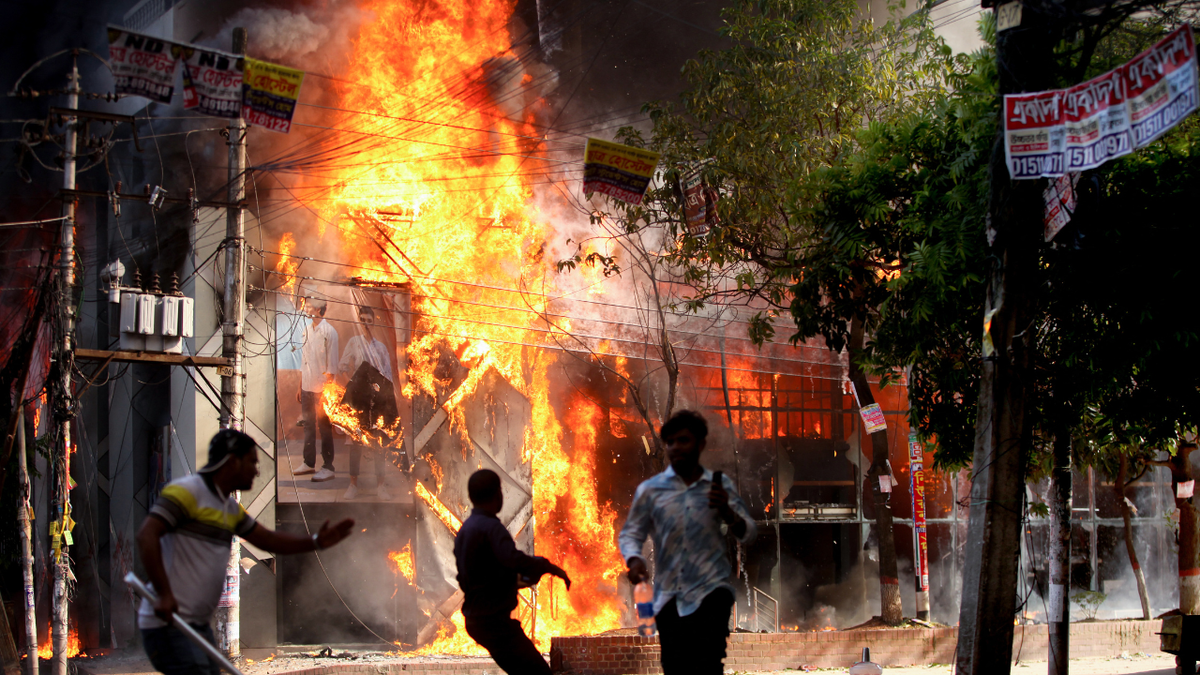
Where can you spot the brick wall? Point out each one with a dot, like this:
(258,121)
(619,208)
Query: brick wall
(635,655)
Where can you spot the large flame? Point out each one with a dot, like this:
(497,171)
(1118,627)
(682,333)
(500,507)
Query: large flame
(404,562)
(440,200)
(74,645)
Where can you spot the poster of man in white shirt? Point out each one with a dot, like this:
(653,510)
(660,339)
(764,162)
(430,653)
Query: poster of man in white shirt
(318,366)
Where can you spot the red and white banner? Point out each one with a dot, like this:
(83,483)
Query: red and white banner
(1034,134)
(1161,85)
(1096,121)
(212,82)
(142,65)
(1049,133)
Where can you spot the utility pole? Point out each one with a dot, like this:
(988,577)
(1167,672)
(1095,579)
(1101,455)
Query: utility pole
(1059,605)
(23,494)
(64,405)
(1025,55)
(233,378)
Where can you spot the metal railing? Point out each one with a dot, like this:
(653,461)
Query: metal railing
(765,611)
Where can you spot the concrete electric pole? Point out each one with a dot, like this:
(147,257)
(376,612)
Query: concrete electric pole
(233,378)
(64,404)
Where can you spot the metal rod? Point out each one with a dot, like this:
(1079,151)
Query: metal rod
(135,584)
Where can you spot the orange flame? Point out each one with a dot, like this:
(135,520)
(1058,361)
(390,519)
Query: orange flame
(345,417)
(439,509)
(404,562)
(74,645)
(287,264)
(445,207)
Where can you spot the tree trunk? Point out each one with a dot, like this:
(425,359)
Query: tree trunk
(1126,513)
(891,610)
(1014,230)
(1189,525)
(1058,604)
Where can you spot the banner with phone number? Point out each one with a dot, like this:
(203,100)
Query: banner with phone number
(269,94)
(1051,133)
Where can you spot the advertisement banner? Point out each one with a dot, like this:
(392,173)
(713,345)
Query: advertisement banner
(1096,121)
(212,82)
(699,204)
(1034,134)
(923,558)
(619,171)
(1060,203)
(142,65)
(269,94)
(1161,86)
(872,417)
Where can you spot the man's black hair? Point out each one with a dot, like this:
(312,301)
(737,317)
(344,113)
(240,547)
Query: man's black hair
(225,444)
(483,485)
(685,419)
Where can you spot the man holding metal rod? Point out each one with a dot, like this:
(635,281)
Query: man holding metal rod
(185,541)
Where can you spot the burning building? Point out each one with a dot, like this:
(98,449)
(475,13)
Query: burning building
(432,176)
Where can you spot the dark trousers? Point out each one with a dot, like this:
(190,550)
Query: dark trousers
(315,418)
(510,648)
(695,644)
(172,653)
(356,452)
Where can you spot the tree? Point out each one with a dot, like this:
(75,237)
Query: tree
(787,100)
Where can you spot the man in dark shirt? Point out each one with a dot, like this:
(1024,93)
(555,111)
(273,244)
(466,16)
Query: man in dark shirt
(489,564)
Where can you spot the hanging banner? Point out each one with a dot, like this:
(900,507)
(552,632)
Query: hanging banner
(142,65)
(1034,134)
(699,204)
(916,465)
(212,82)
(1161,86)
(269,94)
(1060,203)
(872,417)
(1049,133)
(619,171)
(1096,121)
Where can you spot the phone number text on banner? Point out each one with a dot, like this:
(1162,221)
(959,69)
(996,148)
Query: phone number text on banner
(270,93)
(620,171)
(1051,133)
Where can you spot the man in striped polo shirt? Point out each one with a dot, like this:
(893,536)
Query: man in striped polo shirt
(185,542)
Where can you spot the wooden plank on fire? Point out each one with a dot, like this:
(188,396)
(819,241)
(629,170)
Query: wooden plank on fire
(439,418)
(126,356)
(443,613)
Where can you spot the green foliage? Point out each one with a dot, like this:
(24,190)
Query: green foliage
(1089,602)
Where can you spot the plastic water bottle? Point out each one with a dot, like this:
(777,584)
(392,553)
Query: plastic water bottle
(643,598)
(866,666)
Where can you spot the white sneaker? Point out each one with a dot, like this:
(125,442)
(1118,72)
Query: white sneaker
(302,469)
(322,476)
(351,492)
(383,493)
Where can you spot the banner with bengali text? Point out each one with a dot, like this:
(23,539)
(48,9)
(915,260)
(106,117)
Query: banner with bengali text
(212,82)
(269,94)
(620,171)
(1051,133)
(142,65)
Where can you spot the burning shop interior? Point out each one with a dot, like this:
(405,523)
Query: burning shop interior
(432,178)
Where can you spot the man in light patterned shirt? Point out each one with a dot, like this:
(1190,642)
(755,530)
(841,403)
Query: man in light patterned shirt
(686,512)
(318,365)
